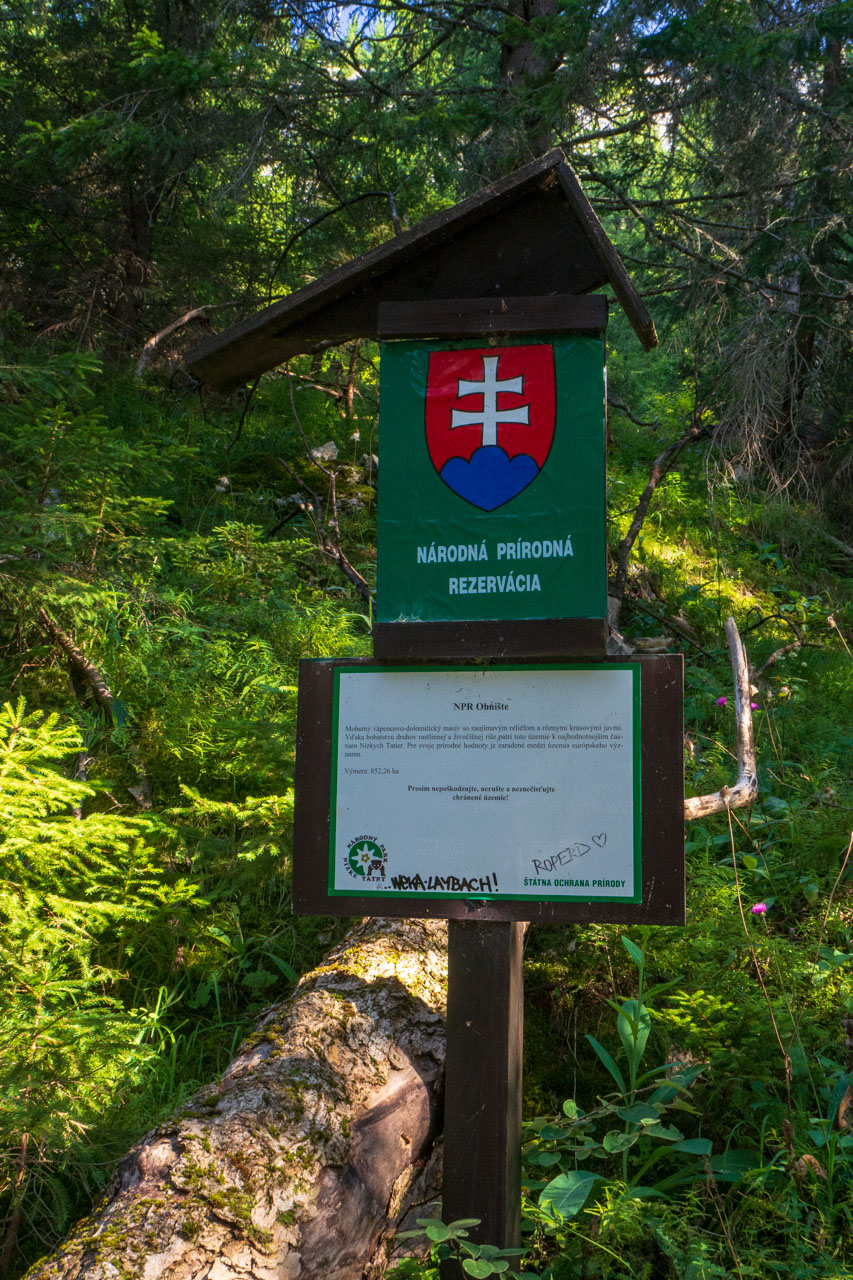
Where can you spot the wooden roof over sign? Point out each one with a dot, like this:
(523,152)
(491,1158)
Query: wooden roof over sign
(534,233)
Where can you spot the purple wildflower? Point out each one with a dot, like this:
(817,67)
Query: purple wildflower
(721,702)
(759,908)
(753,706)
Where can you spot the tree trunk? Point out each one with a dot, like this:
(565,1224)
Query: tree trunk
(315,1143)
(132,270)
(523,129)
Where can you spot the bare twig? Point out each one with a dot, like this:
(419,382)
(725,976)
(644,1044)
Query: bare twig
(661,465)
(775,617)
(279,524)
(154,341)
(335,392)
(745,789)
(623,408)
(246,403)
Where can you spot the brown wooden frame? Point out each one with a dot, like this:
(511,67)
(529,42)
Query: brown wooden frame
(528,639)
(662,783)
(476,317)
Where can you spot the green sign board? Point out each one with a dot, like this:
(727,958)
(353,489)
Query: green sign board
(491,491)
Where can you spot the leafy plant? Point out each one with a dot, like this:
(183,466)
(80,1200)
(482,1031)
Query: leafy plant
(630,1124)
(452,1240)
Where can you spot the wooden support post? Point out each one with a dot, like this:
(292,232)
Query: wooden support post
(482,1124)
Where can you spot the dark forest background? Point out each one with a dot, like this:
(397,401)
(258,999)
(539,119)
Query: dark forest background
(167,555)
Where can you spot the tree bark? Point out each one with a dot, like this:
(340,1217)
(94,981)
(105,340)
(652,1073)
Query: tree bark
(523,130)
(302,1159)
(84,674)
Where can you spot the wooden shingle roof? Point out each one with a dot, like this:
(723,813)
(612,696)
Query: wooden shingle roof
(533,233)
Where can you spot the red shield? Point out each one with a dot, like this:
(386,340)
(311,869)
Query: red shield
(490,414)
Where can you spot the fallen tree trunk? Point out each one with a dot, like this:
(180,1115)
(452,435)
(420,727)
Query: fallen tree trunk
(308,1152)
(318,1141)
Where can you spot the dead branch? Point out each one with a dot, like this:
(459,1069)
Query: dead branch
(279,524)
(779,653)
(326,528)
(247,400)
(661,465)
(362,586)
(326,387)
(85,676)
(783,653)
(154,341)
(623,408)
(745,789)
(82,670)
(676,625)
(329,547)
(775,617)
(797,643)
(836,542)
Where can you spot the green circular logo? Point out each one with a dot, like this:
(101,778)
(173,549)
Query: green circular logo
(364,857)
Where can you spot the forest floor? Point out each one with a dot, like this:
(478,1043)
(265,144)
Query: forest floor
(145,912)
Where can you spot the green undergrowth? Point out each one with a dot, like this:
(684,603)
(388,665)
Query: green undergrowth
(145,913)
(747,1170)
(145,916)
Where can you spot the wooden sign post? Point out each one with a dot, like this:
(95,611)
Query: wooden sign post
(554,790)
(490,795)
(482,1130)
(527,788)
(493,766)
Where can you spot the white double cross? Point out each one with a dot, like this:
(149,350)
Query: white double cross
(489,417)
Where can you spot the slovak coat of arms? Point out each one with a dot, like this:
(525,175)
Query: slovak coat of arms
(490,416)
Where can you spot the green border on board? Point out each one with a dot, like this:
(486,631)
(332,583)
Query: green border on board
(359,892)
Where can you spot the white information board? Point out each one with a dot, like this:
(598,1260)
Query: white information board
(500,782)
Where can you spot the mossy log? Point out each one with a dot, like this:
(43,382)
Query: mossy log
(315,1143)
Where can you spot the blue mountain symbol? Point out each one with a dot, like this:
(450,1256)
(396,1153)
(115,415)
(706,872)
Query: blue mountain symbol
(491,478)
